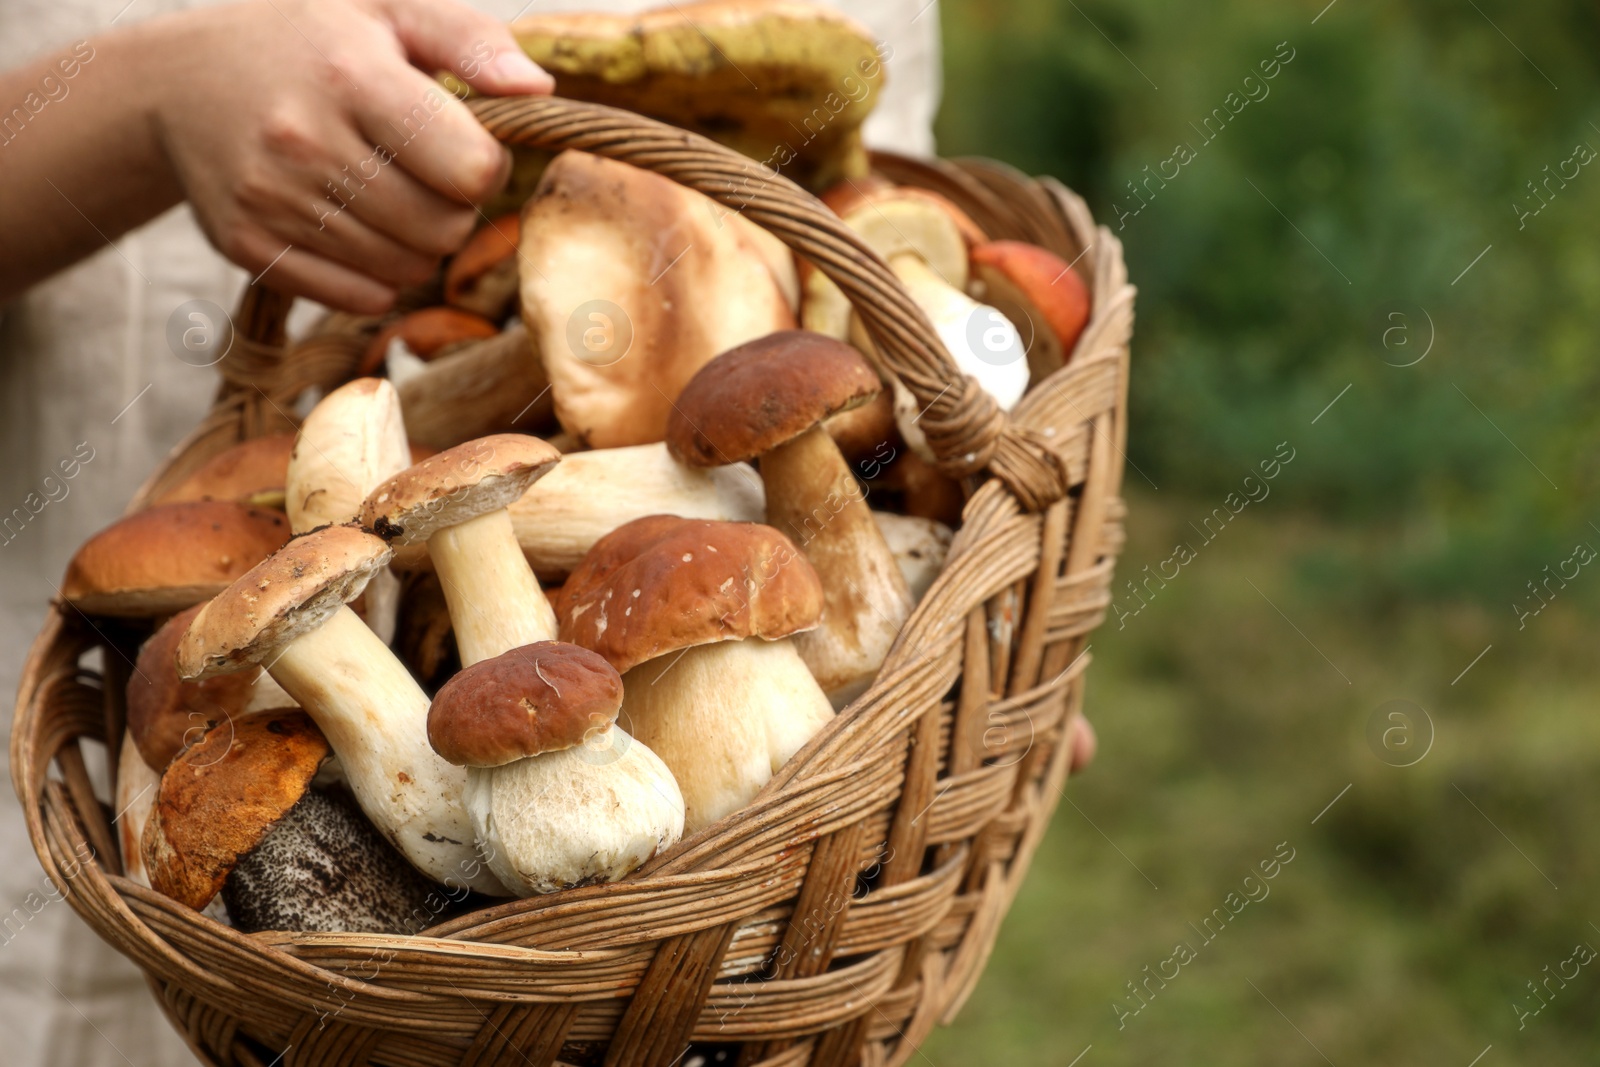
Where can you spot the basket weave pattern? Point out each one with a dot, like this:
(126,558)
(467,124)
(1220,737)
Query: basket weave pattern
(853,905)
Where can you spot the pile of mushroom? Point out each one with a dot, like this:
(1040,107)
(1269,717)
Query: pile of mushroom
(622,512)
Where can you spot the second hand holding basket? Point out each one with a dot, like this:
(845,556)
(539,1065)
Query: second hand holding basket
(853,904)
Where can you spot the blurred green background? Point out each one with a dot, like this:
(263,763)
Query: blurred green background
(1365,231)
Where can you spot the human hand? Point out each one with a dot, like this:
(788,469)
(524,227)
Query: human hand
(314,147)
(1081,736)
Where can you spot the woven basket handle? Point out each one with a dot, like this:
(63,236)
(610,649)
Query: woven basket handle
(964,426)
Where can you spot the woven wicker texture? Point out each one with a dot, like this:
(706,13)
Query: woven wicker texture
(853,905)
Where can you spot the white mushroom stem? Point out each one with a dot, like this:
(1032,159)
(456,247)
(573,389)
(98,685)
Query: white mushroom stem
(375,718)
(984,342)
(961,323)
(589,494)
(920,547)
(267,695)
(580,816)
(137,785)
(350,443)
(723,717)
(816,502)
(495,602)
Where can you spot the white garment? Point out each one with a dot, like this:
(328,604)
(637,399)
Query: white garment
(85,366)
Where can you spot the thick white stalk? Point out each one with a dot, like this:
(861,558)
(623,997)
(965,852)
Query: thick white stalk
(814,500)
(495,602)
(581,816)
(376,718)
(802,710)
(723,717)
(984,342)
(589,494)
(137,785)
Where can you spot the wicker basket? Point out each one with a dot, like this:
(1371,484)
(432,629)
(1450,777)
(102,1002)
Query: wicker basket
(854,903)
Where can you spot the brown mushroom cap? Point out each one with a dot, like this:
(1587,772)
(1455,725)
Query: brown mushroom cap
(661,583)
(755,397)
(220,798)
(1037,290)
(165,712)
(456,485)
(166,558)
(631,283)
(542,697)
(249,471)
(288,594)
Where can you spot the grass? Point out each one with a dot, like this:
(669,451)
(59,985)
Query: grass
(1231,712)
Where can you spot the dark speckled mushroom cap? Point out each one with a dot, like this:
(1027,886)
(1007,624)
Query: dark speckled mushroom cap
(542,697)
(324,868)
(753,398)
(661,583)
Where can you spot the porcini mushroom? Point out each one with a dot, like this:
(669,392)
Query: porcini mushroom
(167,712)
(425,334)
(324,868)
(1039,292)
(456,502)
(560,795)
(221,797)
(589,494)
(787,83)
(164,559)
(289,613)
(696,616)
(351,442)
(251,472)
(621,263)
(920,547)
(925,239)
(770,398)
(482,277)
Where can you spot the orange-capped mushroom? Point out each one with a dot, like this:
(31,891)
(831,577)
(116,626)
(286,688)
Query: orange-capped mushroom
(427,333)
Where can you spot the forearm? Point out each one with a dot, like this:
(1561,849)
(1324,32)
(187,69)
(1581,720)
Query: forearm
(81,161)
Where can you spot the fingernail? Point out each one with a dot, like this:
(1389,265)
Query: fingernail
(514,70)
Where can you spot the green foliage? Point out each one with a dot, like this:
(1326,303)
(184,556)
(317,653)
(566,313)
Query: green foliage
(1348,201)
(1342,204)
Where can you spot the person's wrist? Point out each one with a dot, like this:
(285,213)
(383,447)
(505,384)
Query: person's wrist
(148,59)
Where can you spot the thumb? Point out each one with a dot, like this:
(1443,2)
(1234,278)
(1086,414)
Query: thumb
(447,35)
